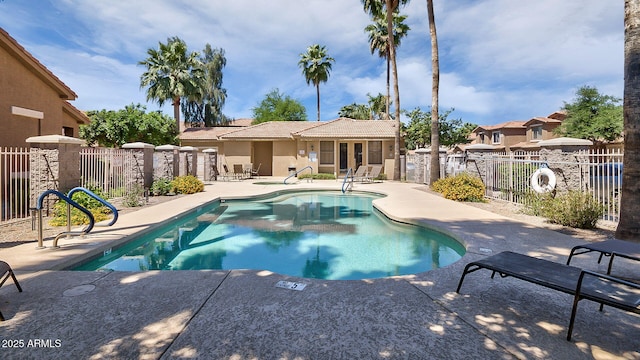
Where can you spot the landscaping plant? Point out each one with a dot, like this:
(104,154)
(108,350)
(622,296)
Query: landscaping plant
(187,184)
(462,187)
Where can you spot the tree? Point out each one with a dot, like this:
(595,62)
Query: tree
(435,85)
(592,116)
(208,111)
(172,74)
(376,8)
(279,107)
(451,131)
(373,110)
(316,66)
(132,124)
(378,41)
(629,222)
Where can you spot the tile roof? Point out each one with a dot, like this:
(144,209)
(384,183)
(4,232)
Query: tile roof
(269,130)
(504,125)
(543,120)
(212,133)
(345,128)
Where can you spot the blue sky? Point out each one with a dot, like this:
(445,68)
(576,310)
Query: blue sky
(500,60)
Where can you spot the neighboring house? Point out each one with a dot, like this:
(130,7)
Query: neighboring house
(518,135)
(280,147)
(33,100)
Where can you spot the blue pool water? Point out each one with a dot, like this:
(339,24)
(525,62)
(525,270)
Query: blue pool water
(318,234)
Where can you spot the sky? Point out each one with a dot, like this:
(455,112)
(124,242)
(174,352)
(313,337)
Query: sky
(500,60)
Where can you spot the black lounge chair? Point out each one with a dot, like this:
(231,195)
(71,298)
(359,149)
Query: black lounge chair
(582,284)
(611,248)
(5,272)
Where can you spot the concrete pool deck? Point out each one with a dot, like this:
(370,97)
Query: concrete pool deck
(240,314)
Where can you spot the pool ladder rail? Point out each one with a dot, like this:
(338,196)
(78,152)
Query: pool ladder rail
(67,198)
(347,183)
(298,172)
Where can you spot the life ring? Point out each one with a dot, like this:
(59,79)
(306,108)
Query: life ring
(541,186)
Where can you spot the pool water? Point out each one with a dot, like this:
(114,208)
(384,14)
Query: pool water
(312,234)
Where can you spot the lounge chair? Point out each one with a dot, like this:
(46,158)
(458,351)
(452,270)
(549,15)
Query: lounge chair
(238,171)
(361,173)
(611,248)
(373,173)
(5,272)
(582,284)
(227,173)
(256,172)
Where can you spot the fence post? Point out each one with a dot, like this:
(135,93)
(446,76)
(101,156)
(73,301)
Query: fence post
(189,160)
(166,162)
(210,164)
(421,166)
(562,155)
(54,164)
(142,164)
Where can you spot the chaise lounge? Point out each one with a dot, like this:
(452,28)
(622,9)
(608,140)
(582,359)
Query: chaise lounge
(582,284)
(611,248)
(6,272)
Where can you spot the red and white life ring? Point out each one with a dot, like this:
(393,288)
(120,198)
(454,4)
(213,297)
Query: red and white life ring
(538,182)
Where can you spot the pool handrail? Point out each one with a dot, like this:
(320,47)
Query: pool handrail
(98,198)
(68,200)
(298,172)
(347,185)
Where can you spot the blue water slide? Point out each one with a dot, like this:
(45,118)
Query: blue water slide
(101,200)
(70,202)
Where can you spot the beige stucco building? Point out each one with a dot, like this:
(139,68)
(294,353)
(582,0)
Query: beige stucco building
(279,147)
(33,101)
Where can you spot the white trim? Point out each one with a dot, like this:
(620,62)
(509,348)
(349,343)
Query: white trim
(16,110)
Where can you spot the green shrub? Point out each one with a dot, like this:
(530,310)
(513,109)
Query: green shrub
(187,184)
(536,204)
(462,187)
(575,209)
(161,187)
(134,197)
(318,176)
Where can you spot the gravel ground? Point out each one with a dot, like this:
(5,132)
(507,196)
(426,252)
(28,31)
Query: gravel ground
(21,232)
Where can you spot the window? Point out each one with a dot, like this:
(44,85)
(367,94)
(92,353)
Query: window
(536,132)
(495,137)
(326,153)
(374,152)
(481,135)
(67,131)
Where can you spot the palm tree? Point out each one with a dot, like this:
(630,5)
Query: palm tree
(434,172)
(629,224)
(375,8)
(378,40)
(172,74)
(316,65)
(378,107)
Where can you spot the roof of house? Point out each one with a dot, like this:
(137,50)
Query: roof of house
(271,130)
(206,133)
(504,125)
(544,120)
(29,61)
(345,128)
(79,116)
(241,122)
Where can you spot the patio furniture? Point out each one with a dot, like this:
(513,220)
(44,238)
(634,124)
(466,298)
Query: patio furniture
(238,171)
(582,284)
(611,248)
(373,173)
(256,172)
(227,173)
(361,173)
(5,272)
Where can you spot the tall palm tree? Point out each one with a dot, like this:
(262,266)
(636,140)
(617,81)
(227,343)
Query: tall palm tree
(378,41)
(375,8)
(316,66)
(629,224)
(434,171)
(172,73)
(378,107)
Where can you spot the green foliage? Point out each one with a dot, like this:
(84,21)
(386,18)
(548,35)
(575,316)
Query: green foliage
(134,197)
(574,208)
(462,187)
(316,66)
(207,112)
(592,116)
(418,131)
(279,107)
(187,184)
(113,128)
(375,109)
(536,204)
(161,187)
(318,176)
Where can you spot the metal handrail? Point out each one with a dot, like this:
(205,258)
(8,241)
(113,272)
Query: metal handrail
(298,172)
(96,197)
(70,202)
(349,185)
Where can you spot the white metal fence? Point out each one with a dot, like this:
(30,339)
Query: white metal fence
(14,183)
(108,170)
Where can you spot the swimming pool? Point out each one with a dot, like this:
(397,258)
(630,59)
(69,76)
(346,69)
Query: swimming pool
(311,234)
